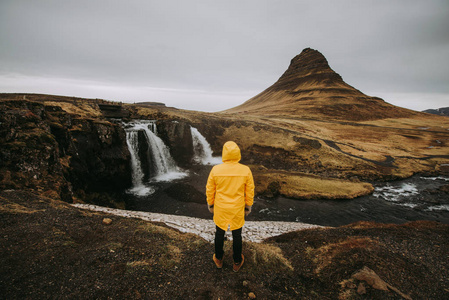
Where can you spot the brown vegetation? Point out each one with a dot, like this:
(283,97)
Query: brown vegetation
(52,250)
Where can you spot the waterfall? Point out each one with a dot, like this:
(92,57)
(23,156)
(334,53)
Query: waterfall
(161,165)
(202,149)
(138,188)
(165,168)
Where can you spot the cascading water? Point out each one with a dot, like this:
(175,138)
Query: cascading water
(202,149)
(162,167)
(138,188)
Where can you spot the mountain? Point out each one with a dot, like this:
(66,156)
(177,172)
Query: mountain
(309,88)
(443,111)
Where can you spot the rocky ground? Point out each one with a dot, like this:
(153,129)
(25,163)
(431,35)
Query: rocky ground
(50,249)
(255,231)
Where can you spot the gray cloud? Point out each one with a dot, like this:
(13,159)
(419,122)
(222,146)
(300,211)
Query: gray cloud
(210,55)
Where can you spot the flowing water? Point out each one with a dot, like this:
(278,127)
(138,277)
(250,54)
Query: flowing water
(138,188)
(203,152)
(169,190)
(161,166)
(412,199)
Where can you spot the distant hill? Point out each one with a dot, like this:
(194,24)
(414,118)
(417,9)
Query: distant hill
(309,88)
(443,111)
(151,104)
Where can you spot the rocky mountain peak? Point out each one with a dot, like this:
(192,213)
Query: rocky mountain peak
(308,62)
(310,88)
(310,67)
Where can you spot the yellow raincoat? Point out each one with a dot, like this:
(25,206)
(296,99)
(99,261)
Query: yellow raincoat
(229,188)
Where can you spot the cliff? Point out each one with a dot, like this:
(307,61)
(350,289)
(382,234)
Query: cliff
(46,149)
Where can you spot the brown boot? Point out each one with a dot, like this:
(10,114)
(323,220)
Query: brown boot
(236,267)
(218,262)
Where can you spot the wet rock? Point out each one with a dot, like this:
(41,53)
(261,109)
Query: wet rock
(445,188)
(178,137)
(185,193)
(273,190)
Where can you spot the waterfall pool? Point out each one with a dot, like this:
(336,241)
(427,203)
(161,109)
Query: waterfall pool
(412,199)
(160,186)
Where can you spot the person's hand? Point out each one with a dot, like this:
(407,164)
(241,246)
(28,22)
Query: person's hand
(247,210)
(211,208)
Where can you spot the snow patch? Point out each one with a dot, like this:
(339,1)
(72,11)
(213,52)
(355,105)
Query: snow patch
(254,231)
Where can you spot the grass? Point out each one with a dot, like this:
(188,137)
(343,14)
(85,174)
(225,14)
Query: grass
(305,186)
(82,109)
(267,257)
(170,252)
(323,256)
(14,208)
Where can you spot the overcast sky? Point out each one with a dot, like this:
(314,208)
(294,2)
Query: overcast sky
(212,55)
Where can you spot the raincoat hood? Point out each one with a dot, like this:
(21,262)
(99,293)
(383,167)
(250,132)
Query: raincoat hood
(231,152)
(229,188)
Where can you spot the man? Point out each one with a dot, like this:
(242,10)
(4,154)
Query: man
(230,195)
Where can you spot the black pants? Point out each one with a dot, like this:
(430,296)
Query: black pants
(236,244)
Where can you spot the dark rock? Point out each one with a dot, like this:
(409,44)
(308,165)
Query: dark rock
(178,137)
(116,111)
(273,190)
(445,188)
(100,160)
(185,193)
(44,148)
(307,142)
(443,111)
(29,156)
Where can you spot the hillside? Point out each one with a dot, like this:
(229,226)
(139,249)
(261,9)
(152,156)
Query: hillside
(71,144)
(52,250)
(309,88)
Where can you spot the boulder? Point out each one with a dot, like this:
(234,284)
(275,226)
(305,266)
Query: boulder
(372,279)
(107,221)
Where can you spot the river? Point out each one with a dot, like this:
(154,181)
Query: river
(415,198)
(163,187)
